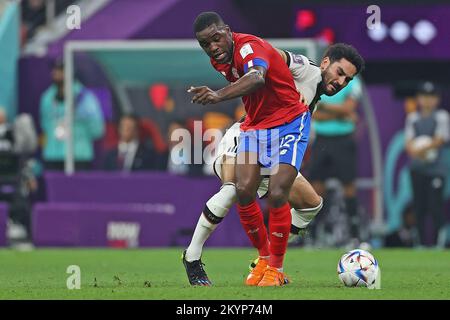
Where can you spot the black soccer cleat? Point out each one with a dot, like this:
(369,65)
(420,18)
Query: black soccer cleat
(195,272)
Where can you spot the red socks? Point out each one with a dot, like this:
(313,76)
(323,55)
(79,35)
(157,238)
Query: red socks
(279,226)
(253,222)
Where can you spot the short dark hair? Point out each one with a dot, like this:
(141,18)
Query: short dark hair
(205,19)
(338,51)
(58,63)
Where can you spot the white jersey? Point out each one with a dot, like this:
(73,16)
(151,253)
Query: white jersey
(227,147)
(307,76)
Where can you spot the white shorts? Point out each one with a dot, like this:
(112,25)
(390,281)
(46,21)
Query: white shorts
(228,147)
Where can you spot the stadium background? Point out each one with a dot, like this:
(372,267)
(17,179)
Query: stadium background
(158,208)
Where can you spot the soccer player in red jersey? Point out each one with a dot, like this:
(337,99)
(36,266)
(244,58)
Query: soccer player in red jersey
(274,134)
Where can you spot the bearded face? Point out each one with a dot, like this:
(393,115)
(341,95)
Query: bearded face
(336,75)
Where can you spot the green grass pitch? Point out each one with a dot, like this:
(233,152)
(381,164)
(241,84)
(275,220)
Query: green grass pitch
(159,274)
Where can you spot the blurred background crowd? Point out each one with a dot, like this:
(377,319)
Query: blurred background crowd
(379,151)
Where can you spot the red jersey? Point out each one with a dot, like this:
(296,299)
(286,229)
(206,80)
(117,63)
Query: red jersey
(277,102)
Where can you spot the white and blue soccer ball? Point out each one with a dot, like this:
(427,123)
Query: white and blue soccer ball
(358,268)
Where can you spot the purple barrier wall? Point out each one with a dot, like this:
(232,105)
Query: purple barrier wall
(124,225)
(148,209)
(3,219)
(149,187)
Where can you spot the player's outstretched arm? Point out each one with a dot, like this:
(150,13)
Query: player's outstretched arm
(250,82)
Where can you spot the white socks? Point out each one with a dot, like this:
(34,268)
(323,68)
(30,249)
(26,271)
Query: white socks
(202,232)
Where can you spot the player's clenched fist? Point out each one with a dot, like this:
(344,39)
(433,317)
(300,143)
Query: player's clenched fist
(204,95)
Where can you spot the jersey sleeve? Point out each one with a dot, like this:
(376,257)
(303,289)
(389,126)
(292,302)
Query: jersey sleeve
(252,54)
(298,65)
(443,125)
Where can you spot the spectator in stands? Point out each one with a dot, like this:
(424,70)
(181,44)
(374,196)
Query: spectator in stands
(6,133)
(130,153)
(33,16)
(179,155)
(426,132)
(150,131)
(334,152)
(88,123)
(17,181)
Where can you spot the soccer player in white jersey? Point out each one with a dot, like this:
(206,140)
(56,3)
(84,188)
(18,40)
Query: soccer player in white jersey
(304,201)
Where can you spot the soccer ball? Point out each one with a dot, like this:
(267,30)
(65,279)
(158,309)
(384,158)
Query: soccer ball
(358,268)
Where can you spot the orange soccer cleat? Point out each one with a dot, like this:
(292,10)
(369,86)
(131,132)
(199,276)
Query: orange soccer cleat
(273,278)
(257,273)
